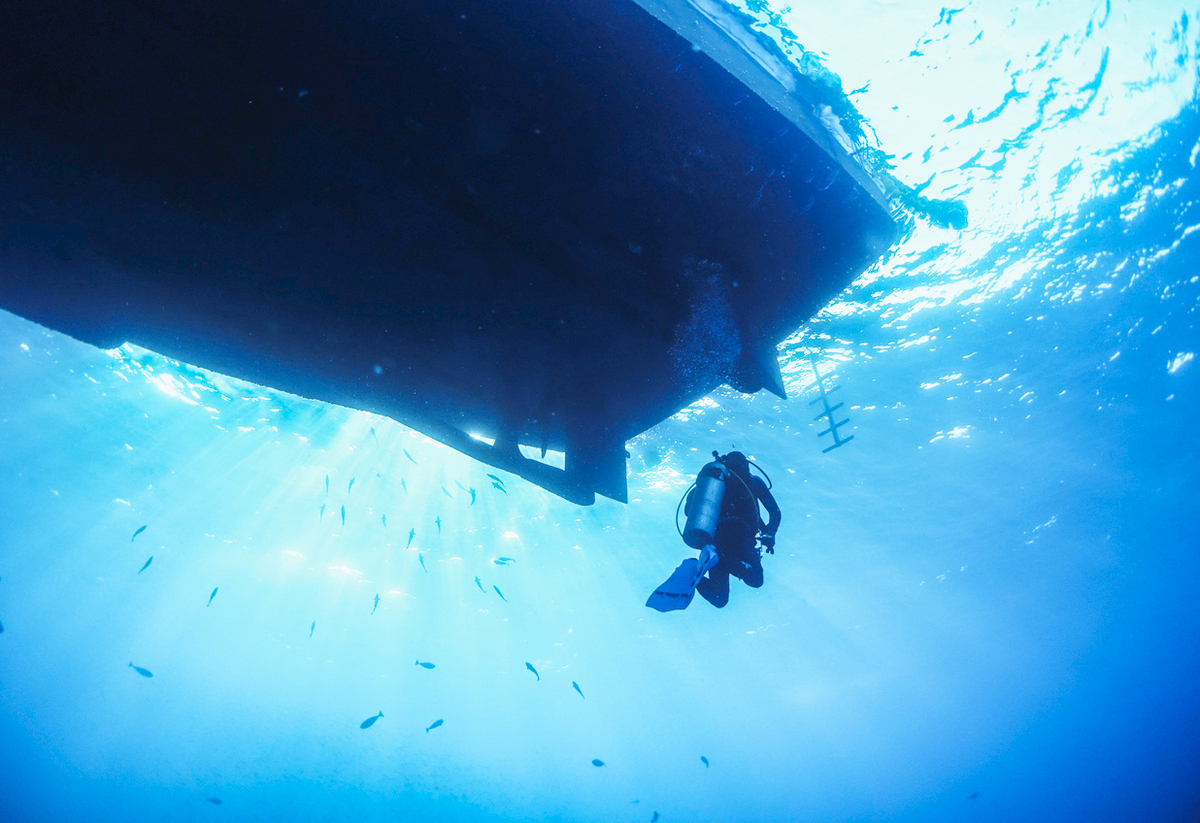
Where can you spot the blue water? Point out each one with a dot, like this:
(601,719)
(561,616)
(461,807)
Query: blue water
(982,608)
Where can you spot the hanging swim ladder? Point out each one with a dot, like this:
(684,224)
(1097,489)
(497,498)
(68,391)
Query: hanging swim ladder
(838,440)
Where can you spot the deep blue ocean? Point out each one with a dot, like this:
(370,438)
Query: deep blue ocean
(983,608)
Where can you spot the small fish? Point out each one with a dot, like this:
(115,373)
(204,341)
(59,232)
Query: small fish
(973,796)
(502,597)
(411,534)
(704,760)
(210,597)
(439,522)
(421,557)
(436,723)
(343,515)
(312,628)
(350,488)
(326,485)
(532,669)
(140,670)
(322,517)
(374,435)
(575,686)
(370,721)
(508,559)
(498,486)
(655,818)
(499,562)
(472,491)
(409,456)
(376,604)
(425,665)
(384,519)
(404,485)
(136,533)
(460,485)
(216,801)
(497,479)
(597,763)
(1,628)
(480,585)
(148,562)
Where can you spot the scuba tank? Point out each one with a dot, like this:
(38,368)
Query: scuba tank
(701,526)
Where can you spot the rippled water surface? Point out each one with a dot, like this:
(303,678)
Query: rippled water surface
(981,608)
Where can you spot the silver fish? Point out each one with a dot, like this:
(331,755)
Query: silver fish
(370,721)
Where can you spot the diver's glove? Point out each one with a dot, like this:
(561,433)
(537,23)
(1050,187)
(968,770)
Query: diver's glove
(768,543)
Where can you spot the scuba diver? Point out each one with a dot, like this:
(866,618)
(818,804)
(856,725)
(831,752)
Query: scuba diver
(722,521)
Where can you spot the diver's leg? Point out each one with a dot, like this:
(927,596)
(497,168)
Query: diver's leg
(749,573)
(748,566)
(731,534)
(741,553)
(715,587)
(753,575)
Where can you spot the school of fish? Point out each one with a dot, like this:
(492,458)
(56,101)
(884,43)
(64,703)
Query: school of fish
(497,484)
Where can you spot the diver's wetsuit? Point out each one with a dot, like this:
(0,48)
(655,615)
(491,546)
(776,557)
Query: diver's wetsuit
(735,538)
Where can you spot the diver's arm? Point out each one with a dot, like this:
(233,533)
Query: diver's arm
(768,500)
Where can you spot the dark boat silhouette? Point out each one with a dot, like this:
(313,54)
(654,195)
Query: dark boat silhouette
(542,223)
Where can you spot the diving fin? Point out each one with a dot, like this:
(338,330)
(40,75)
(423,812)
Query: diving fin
(678,590)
